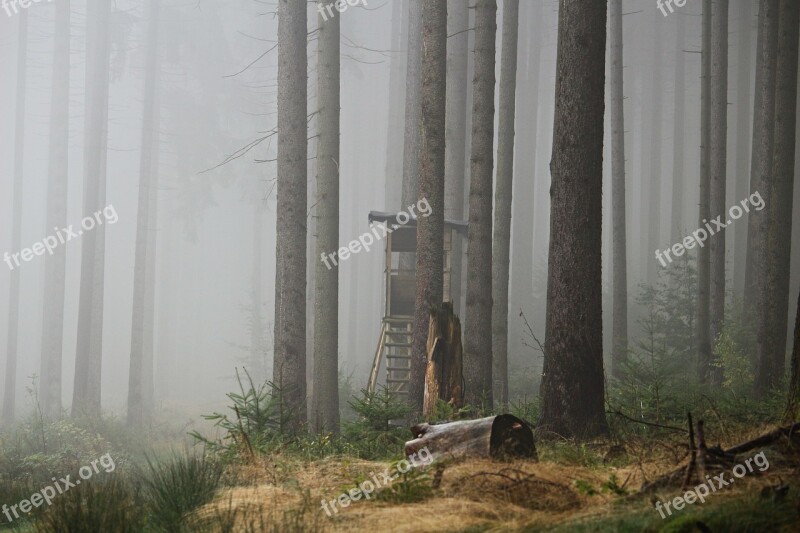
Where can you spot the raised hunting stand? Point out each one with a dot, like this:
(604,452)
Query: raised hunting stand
(393,352)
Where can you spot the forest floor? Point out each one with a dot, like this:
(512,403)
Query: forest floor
(574,487)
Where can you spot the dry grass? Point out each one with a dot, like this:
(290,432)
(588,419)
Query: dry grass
(478,495)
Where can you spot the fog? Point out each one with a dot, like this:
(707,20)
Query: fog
(216,106)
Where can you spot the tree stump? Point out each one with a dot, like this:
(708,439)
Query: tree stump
(501,436)
(443,375)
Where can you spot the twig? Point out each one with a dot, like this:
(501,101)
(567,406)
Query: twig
(693,459)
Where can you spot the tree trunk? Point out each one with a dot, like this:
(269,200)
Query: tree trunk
(704,347)
(397,94)
(444,372)
(325,407)
(523,201)
(573,393)
(430,229)
(456,135)
(501,436)
(794,382)
(619,352)
(718,171)
(653,187)
(744,115)
(478,320)
(763,146)
(289,366)
(138,404)
(501,242)
(413,122)
(89,356)
(679,142)
(10,392)
(57,186)
(774,326)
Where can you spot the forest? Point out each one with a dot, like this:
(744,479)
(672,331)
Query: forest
(400,265)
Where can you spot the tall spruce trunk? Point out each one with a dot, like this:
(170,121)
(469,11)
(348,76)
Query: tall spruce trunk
(718,172)
(744,117)
(573,390)
(140,381)
(794,380)
(619,350)
(325,398)
(501,242)
(413,120)
(430,229)
(456,136)
(289,366)
(10,392)
(397,94)
(523,202)
(758,222)
(478,320)
(773,327)
(57,185)
(86,398)
(679,142)
(653,188)
(704,347)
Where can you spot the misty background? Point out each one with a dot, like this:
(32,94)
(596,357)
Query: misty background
(216,94)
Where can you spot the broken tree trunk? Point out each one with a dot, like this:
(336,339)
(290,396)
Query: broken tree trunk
(501,436)
(443,375)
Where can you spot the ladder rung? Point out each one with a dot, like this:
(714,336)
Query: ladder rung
(398,344)
(394,356)
(398,368)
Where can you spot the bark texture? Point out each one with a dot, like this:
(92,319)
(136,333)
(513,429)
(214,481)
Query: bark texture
(501,243)
(573,381)
(763,149)
(289,366)
(397,95)
(325,406)
(772,328)
(744,134)
(501,436)
(704,341)
(444,373)
(619,350)
(456,135)
(718,170)
(413,121)
(430,229)
(478,320)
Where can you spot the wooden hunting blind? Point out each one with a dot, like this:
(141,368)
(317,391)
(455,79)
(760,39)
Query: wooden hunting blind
(393,352)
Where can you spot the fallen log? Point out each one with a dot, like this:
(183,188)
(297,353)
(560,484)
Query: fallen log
(501,436)
(767,438)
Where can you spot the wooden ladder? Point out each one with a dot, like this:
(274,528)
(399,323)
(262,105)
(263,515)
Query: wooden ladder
(394,345)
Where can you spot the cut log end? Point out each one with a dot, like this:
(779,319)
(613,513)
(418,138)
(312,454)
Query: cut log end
(500,437)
